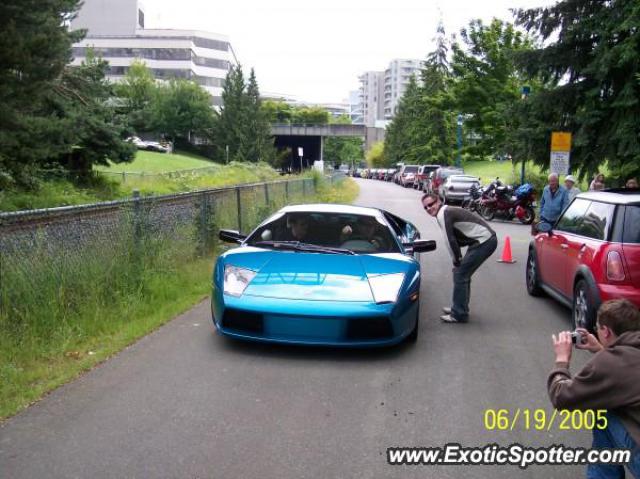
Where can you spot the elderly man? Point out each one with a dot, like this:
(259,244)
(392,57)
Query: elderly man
(554,200)
(572,189)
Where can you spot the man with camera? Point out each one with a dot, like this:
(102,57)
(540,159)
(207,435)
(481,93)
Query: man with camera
(610,380)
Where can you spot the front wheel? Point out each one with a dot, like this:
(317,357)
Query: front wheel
(487,212)
(584,309)
(529,216)
(533,283)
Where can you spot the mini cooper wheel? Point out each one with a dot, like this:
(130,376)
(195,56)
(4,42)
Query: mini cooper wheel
(584,310)
(533,283)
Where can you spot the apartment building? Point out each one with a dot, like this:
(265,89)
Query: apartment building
(396,79)
(381,91)
(116,32)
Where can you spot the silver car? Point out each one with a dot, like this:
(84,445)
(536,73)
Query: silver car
(456,188)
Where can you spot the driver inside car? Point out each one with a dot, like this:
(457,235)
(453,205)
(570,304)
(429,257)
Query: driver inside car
(367,229)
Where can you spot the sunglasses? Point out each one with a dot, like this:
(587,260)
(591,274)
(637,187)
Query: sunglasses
(429,205)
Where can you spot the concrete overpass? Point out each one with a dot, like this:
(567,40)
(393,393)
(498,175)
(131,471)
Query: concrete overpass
(311,139)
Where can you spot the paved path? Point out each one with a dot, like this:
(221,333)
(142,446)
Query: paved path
(185,403)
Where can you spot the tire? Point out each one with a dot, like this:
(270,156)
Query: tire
(487,212)
(531,275)
(529,216)
(583,311)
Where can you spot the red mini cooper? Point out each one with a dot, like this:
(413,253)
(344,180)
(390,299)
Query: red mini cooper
(590,255)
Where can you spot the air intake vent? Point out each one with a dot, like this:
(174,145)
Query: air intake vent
(242,320)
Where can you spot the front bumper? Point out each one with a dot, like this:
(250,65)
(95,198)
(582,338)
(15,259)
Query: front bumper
(325,323)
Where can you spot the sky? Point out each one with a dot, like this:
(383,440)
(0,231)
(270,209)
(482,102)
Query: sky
(312,50)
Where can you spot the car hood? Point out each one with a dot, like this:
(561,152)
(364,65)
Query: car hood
(311,276)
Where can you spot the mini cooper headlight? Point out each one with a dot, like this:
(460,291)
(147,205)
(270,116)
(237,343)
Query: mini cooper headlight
(385,287)
(236,279)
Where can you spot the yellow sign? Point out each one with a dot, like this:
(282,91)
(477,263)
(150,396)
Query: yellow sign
(560,141)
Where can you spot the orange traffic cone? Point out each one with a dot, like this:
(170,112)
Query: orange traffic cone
(506,252)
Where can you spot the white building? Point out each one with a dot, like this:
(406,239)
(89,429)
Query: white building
(396,79)
(371,97)
(115,32)
(380,92)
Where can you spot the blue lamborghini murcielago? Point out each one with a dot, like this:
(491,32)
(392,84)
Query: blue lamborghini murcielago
(321,274)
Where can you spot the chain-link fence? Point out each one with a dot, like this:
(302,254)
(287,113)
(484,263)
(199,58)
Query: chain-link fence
(53,261)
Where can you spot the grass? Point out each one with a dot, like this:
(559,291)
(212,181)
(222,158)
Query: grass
(151,162)
(57,318)
(117,182)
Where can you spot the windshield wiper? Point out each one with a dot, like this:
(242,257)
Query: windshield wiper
(299,246)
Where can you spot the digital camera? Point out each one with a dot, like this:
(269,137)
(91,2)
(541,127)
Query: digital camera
(577,338)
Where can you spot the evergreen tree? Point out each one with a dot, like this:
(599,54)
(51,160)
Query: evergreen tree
(35,46)
(593,70)
(231,130)
(260,141)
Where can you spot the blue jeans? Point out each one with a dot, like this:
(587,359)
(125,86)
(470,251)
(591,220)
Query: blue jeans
(614,436)
(476,255)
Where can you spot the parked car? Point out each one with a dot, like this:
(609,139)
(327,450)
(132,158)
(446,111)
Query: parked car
(391,172)
(158,147)
(440,175)
(590,255)
(407,175)
(456,188)
(423,174)
(338,283)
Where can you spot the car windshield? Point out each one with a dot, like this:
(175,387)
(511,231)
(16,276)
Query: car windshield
(410,169)
(325,233)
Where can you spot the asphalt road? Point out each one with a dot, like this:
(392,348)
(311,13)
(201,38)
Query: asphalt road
(186,403)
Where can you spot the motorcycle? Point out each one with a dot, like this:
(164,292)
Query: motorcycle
(476,193)
(504,201)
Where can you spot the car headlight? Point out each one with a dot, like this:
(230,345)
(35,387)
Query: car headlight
(236,279)
(385,287)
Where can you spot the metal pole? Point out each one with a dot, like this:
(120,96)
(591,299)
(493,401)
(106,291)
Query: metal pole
(239,209)
(459,157)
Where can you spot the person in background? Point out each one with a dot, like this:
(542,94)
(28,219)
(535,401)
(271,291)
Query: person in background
(598,183)
(572,189)
(632,183)
(554,200)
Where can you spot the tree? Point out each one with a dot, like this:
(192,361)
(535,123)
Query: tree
(438,118)
(259,140)
(340,150)
(375,156)
(35,47)
(592,68)
(277,111)
(404,137)
(314,115)
(182,109)
(230,131)
(487,82)
(138,90)
(88,131)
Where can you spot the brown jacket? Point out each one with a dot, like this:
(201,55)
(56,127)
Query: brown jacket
(610,380)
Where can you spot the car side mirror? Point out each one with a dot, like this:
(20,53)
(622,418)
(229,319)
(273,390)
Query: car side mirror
(231,236)
(421,246)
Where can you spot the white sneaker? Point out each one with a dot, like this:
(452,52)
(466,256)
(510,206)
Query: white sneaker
(446,310)
(448,318)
